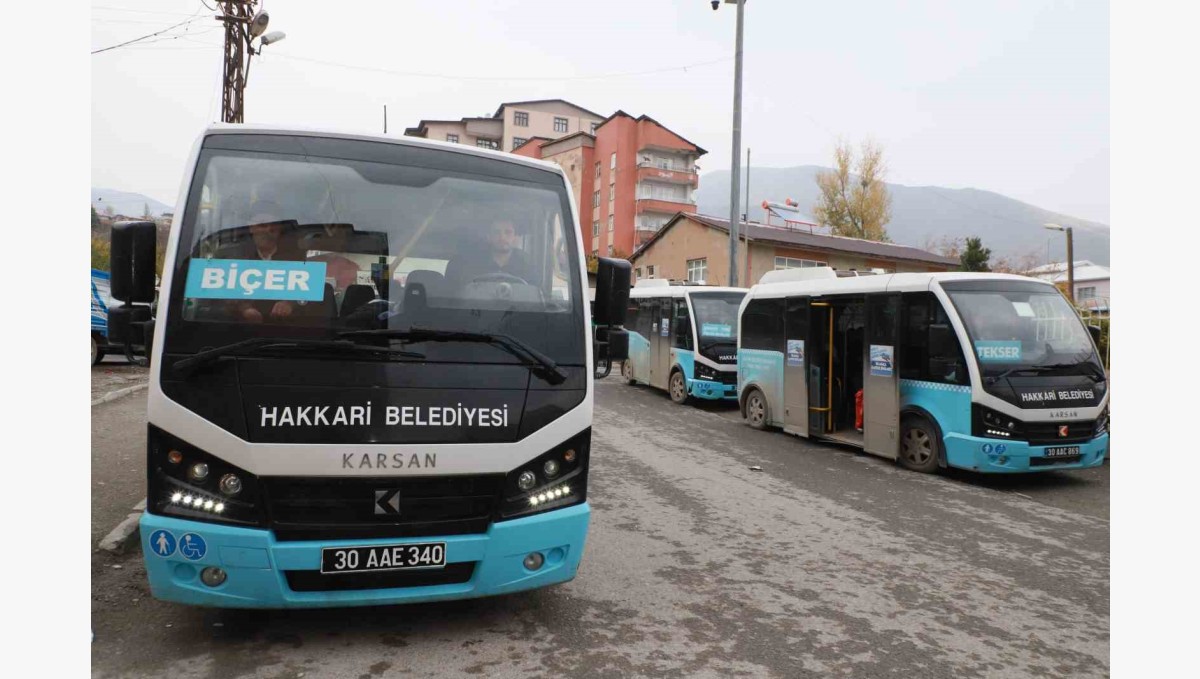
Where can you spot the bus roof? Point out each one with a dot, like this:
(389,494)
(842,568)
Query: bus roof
(240,128)
(665,289)
(897,282)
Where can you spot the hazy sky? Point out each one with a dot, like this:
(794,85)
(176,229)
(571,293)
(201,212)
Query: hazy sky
(1006,96)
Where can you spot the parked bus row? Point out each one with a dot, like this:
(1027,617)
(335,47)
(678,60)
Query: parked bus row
(986,372)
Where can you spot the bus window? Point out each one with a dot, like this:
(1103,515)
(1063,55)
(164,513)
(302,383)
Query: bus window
(682,337)
(762,324)
(931,349)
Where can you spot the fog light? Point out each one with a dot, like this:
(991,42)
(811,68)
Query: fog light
(1003,459)
(174,457)
(569,456)
(231,485)
(213,576)
(533,561)
(551,468)
(198,472)
(526,480)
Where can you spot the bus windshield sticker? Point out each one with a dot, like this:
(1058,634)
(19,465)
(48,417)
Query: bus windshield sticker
(795,353)
(255,279)
(665,329)
(716,330)
(998,351)
(1024,309)
(881,360)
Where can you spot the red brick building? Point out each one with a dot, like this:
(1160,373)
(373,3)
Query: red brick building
(630,178)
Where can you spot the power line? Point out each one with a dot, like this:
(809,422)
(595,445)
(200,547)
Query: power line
(151,35)
(445,76)
(141,11)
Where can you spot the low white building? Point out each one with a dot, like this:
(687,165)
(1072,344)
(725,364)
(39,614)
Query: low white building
(1091,282)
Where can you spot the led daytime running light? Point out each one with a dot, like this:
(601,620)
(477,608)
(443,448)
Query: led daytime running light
(549,495)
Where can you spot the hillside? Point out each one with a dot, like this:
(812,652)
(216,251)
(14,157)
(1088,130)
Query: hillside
(126,203)
(923,213)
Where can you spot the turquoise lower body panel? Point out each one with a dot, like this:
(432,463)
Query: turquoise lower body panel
(255,562)
(1003,457)
(763,369)
(712,390)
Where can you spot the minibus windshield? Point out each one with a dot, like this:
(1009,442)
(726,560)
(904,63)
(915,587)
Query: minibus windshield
(716,316)
(1025,332)
(302,246)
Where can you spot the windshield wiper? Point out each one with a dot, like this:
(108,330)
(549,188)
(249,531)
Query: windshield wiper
(1088,367)
(190,364)
(543,366)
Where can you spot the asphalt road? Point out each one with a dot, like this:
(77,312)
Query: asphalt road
(827,563)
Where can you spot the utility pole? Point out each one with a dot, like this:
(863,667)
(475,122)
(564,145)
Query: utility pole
(1070,258)
(236,15)
(734,175)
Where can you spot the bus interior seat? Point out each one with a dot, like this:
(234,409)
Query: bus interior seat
(420,285)
(355,296)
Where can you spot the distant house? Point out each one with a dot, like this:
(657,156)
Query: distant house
(696,247)
(1091,282)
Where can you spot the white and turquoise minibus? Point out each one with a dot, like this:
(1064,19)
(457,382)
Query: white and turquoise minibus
(986,372)
(371,373)
(683,338)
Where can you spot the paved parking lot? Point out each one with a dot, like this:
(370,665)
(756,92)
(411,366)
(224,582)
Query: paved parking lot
(825,563)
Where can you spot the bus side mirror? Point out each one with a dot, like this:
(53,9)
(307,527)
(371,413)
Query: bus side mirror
(615,341)
(132,259)
(612,291)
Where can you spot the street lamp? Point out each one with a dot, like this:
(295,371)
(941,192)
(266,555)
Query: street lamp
(1070,258)
(735,200)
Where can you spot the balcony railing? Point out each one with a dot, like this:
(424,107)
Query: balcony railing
(654,173)
(667,206)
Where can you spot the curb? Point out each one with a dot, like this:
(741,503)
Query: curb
(125,534)
(114,395)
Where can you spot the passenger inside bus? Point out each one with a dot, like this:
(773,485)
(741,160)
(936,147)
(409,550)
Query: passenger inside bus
(498,258)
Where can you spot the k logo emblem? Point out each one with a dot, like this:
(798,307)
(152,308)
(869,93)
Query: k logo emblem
(1063,431)
(387,501)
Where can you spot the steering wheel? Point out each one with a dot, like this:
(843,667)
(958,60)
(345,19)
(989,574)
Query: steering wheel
(498,277)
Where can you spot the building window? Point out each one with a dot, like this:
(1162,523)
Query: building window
(610,223)
(597,170)
(650,271)
(637,273)
(487,143)
(612,161)
(560,124)
(697,269)
(595,228)
(517,141)
(594,126)
(1086,293)
(452,138)
(612,193)
(794,263)
(610,250)
(596,199)
(521,119)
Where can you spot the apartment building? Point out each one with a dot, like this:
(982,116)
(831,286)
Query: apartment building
(513,124)
(630,175)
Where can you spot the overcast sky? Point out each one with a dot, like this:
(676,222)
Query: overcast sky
(1006,96)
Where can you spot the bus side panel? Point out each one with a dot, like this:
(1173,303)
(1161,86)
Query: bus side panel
(763,368)
(686,360)
(948,404)
(639,356)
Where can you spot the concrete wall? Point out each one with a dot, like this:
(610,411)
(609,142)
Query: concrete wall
(541,121)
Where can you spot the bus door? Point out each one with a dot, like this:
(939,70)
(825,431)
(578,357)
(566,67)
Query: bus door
(795,366)
(660,342)
(818,358)
(881,379)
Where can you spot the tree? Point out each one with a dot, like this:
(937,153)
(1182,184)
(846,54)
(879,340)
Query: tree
(855,204)
(975,257)
(146,211)
(95,218)
(100,253)
(944,246)
(110,211)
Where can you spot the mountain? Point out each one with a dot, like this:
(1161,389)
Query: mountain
(922,214)
(128,203)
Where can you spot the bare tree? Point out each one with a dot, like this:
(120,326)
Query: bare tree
(854,199)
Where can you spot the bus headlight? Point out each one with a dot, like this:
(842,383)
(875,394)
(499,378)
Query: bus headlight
(706,372)
(550,481)
(198,486)
(1102,422)
(988,423)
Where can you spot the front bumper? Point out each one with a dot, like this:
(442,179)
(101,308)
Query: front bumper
(1006,457)
(711,390)
(256,563)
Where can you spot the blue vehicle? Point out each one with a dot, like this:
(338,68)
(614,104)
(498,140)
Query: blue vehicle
(986,372)
(101,299)
(683,338)
(372,373)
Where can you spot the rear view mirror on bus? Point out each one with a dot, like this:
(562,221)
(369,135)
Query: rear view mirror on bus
(612,291)
(132,281)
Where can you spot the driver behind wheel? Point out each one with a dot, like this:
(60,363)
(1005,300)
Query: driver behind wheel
(500,259)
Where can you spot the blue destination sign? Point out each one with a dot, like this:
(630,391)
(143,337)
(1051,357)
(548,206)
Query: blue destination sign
(998,351)
(255,279)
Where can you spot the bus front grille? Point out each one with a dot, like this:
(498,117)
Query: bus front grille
(324,508)
(316,581)
(1047,434)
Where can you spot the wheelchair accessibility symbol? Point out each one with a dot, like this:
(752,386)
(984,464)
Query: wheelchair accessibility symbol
(192,547)
(162,542)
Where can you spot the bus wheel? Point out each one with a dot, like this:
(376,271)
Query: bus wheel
(678,387)
(627,371)
(756,409)
(97,352)
(919,445)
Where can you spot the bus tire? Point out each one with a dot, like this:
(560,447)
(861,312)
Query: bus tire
(97,352)
(677,387)
(920,445)
(627,371)
(756,409)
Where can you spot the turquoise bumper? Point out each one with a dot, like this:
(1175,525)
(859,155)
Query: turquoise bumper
(256,564)
(711,390)
(1006,457)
